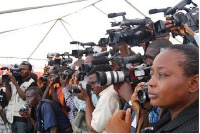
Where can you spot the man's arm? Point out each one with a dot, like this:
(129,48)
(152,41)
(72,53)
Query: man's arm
(123,48)
(3,115)
(120,122)
(89,109)
(88,114)
(46,92)
(136,108)
(28,115)
(54,97)
(49,117)
(19,91)
(8,90)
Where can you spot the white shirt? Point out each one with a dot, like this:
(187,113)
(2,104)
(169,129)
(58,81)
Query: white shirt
(16,102)
(196,38)
(107,105)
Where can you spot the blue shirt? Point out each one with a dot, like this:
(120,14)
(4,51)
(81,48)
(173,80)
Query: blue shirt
(52,115)
(154,114)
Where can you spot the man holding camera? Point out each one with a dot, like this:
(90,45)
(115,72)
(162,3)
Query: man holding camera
(107,104)
(5,126)
(50,117)
(15,93)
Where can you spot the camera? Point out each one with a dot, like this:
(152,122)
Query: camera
(80,76)
(55,58)
(85,68)
(128,75)
(132,59)
(143,94)
(50,62)
(24,109)
(83,44)
(67,73)
(55,77)
(160,29)
(68,60)
(15,72)
(1,98)
(103,42)
(84,85)
(179,19)
(44,77)
(5,78)
(111,77)
(132,32)
(87,51)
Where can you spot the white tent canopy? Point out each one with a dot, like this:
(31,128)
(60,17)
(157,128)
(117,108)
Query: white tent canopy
(31,29)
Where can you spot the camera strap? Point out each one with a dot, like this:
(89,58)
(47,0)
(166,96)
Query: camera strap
(190,38)
(145,117)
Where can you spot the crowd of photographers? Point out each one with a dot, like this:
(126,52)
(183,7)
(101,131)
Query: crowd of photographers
(113,90)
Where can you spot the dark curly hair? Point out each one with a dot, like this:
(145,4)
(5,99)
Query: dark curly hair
(191,62)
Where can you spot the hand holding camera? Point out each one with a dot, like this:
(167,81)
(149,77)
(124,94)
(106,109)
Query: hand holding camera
(138,99)
(80,92)
(24,111)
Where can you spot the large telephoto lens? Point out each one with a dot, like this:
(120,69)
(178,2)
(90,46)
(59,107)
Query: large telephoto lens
(86,68)
(133,59)
(110,77)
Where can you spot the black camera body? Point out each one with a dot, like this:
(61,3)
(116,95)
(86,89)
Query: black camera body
(143,94)
(1,98)
(84,86)
(85,68)
(87,51)
(24,109)
(191,18)
(15,72)
(44,78)
(179,19)
(55,77)
(67,73)
(80,76)
(160,29)
(133,32)
(67,60)
(103,42)
(58,60)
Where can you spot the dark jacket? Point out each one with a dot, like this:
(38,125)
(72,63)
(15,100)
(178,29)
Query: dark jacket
(186,122)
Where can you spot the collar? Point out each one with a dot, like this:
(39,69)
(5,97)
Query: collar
(186,115)
(106,90)
(27,79)
(22,81)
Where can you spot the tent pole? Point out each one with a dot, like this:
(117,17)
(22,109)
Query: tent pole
(30,8)
(66,29)
(135,8)
(43,39)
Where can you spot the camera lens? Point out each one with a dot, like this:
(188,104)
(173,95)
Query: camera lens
(101,78)
(86,68)
(24,108)
(75,89)
(110,77)
(143,94)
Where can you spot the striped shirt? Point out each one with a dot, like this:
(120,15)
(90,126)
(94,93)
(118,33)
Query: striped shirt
(70,103)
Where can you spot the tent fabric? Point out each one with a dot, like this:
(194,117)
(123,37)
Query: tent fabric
(31,29)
